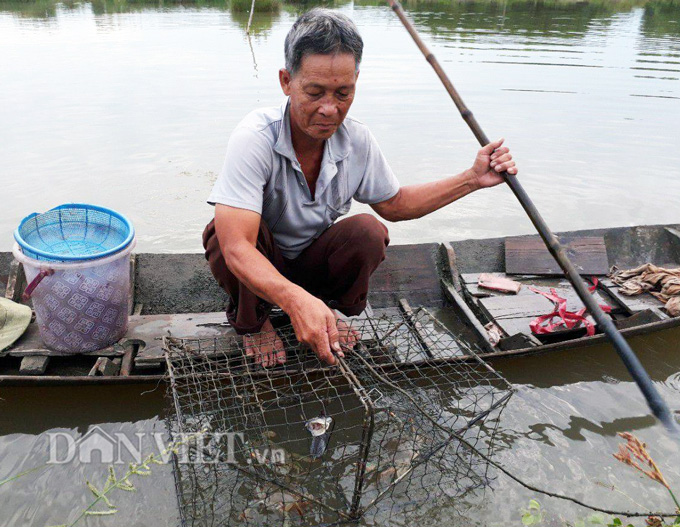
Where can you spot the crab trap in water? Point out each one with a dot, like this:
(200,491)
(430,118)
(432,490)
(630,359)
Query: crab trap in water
(401,425)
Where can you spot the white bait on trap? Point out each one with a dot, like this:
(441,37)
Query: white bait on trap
(411,408)
(319,425)
(320,428)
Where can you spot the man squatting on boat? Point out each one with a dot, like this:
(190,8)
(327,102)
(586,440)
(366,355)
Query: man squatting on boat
(289,174)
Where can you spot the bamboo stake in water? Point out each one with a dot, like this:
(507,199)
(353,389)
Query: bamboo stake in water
(635,368)
(250,18)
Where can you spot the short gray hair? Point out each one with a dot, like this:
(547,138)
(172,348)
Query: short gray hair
(323,32)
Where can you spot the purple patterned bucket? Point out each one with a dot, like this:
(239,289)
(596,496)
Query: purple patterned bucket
(80,307)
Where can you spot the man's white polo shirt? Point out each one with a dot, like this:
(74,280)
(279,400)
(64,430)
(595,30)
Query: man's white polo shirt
(261,173)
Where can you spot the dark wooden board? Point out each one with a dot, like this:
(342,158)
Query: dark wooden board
(505,307)
(528,255)
(148,331)
(16,282)
(30,344)
(409,271)
(518,341)
(543,283)
(648,316)
(133,279)
(33,365)
(467,316)
(514,314)
(632,304)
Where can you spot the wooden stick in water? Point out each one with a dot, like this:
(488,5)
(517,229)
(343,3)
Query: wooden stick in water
(250,18)
(656,404)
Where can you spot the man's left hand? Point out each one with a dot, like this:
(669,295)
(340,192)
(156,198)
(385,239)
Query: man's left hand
(490,162)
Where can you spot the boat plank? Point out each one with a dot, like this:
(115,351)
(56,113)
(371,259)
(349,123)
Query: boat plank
(632,304)
(133,278)
(562,287)
(33,365)
(127,364)
(641,317)
(451,267)
(528,255)
(105,366)
(515,314)
(409,271)
(420,297)
(518,341)
(584,341)
(467,315)
(427,345)
(148,331)
(30,343)
(514,326)
(500,308)
(15,281)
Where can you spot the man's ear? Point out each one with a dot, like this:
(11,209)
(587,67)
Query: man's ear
(285,80)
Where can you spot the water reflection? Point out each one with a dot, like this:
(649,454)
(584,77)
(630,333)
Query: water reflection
(661,20)
(239,8)
(439,18)
(96,103)
(558,18)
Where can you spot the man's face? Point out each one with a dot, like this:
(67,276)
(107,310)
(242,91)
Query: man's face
(321,93)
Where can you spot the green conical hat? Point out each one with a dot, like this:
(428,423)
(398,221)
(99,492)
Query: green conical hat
(14,319)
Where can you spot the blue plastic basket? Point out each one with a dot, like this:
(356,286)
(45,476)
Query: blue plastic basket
(73,232)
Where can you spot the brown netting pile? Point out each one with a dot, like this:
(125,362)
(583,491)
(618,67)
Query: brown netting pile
(402,423)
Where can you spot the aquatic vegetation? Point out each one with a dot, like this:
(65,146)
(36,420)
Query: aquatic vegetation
(633,450)
(124,483)
(632,453)
(21,474)
(114,482)
(533,514)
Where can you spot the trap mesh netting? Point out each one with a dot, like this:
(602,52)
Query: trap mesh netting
(403,423)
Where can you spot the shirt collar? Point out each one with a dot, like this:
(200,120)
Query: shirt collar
(335,150)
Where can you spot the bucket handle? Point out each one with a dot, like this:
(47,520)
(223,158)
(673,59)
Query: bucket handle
(34,283)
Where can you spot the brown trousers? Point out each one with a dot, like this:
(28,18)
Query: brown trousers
(336,267)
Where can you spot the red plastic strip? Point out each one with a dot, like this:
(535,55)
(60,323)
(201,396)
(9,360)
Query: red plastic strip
(561,317)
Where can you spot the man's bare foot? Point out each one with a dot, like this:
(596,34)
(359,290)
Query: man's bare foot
(266,346)
(347,335)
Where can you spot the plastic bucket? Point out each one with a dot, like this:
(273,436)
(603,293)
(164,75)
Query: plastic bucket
(74,232)
(79,306)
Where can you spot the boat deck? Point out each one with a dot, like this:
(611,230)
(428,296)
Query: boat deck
(175,295)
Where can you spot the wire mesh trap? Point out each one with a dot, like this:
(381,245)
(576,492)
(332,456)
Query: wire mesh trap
(395,427)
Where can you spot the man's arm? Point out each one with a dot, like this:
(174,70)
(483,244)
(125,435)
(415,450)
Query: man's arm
(313,321)
(415,201)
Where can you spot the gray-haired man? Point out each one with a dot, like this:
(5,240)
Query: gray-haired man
(290,172)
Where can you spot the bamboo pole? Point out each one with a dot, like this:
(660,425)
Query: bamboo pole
(656,404)
(250,18)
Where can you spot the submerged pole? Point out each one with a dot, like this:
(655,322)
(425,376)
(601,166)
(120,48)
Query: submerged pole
(654,400)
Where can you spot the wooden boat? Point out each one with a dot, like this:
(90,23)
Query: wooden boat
(175,295)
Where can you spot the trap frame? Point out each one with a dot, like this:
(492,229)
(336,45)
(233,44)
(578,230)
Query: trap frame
(411,425)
